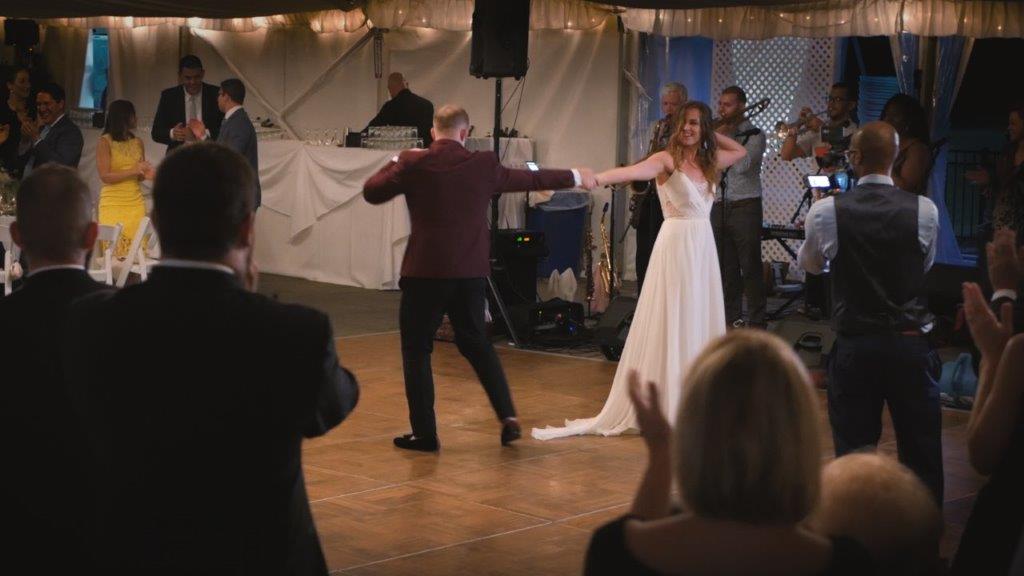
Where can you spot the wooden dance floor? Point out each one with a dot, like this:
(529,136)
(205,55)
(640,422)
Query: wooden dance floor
(479,508)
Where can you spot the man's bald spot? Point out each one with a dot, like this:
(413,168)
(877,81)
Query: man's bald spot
(878,144)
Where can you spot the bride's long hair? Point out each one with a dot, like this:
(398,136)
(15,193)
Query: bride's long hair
(707,146)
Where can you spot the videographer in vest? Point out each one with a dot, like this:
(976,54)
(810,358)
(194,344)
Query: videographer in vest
(879,241)
(646,214)
(737,215)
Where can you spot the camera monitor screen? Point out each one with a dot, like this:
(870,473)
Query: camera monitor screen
(817,181)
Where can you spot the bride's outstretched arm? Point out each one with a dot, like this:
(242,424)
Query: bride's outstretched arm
(644,170)
(729,151)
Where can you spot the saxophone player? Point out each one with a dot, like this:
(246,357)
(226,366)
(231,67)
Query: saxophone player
(647,216)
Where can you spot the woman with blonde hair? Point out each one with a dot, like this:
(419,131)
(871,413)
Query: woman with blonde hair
(746,456)
(681,307)
(121,163)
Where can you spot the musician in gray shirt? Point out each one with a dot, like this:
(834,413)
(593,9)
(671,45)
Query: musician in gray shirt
(737,220)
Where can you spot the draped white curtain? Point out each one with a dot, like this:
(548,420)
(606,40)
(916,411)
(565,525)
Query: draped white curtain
(143,61)
(65,58)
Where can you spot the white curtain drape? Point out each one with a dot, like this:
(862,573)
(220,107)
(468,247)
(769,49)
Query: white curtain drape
(832,18)
(143,61)
(65,58)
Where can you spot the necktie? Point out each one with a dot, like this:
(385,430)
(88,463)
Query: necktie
(192,113)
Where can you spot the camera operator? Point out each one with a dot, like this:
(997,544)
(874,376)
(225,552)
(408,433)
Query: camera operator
(842,100)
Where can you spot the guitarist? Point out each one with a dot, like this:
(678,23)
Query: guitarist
(646,214)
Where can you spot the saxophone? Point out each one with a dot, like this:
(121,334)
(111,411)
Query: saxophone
(641,189)
(588,262)
(609,282)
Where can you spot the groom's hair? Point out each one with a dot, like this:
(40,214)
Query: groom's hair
(201,196)
(450,117)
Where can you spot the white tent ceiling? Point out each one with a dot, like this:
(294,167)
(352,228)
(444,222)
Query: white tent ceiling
(752,19)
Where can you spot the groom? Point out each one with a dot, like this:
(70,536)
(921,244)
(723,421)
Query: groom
(445,270)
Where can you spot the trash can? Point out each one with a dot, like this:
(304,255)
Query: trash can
(561,219)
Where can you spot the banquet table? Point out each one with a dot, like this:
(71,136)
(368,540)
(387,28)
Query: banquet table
(314,223)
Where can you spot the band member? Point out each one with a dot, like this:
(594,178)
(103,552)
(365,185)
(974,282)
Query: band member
(647,216)
(737,215)
(842,100)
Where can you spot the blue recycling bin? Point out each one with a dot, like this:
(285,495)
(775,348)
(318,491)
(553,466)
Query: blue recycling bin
(561,219)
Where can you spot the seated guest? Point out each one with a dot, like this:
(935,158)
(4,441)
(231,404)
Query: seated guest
(121,163)
(746,454)
(995,439)
(880,241)
(880,503)
(53,137)
(183,106)
(913,162)
(197,392)
(405,109)
(46,483)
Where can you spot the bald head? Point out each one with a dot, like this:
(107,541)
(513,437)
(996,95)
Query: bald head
(54,217)
(396,83)
(876,145)
(450,122)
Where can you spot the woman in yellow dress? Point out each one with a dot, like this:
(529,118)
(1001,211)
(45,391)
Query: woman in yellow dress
(121,163)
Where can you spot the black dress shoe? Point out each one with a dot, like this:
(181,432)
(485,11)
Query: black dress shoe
(510,432)
(410,442)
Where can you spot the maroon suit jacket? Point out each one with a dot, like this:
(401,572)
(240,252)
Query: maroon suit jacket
(448,189)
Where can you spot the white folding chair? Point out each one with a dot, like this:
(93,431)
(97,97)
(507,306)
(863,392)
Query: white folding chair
(102,266)
(11,253)
(137,261)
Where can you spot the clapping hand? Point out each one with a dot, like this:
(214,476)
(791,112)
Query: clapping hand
(1005,261)
(179,132)
(197,129)
(30,130)
(145,170)
(653,425)
(990,334)
(5,131)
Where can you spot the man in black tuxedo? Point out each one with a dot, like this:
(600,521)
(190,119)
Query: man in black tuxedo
(184,106)
(41,439)
(197,392)
(54,137)
(405,109)
(880,242)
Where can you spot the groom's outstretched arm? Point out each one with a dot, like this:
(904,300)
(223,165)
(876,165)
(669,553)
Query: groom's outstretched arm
(509,180)
(389,181)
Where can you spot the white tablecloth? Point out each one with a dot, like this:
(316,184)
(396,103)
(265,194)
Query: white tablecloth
(314,222)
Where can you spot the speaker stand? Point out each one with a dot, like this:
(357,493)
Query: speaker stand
(494,221)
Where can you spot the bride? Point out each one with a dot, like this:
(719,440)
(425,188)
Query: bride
(681,306)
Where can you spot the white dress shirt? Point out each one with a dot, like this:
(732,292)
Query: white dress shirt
(822,233)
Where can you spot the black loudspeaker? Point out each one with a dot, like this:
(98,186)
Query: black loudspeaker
(613,328)
(501,32)
(515,272)
(22,33)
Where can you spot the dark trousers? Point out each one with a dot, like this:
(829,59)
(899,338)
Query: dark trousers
(902,372)
(424,304)
(738,238)
(647,229)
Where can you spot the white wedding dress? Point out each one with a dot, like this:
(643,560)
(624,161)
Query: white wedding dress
(680,310)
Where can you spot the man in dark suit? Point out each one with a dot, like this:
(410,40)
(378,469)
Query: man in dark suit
(183,106)
(54,137)
(41,437)
(880,241)
(405,109)
(445,269)
(197,392)
(237,131)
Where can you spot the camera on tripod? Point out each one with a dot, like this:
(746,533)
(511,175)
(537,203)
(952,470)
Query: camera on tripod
(830,154)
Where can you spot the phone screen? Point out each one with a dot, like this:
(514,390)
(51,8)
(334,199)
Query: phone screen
(818,181)
(532,166)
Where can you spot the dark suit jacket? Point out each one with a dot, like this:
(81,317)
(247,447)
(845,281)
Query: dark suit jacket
(171,111)
(47,488)
(448,189)
(196,395)
(238,133)
(63,145)
(407,109)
